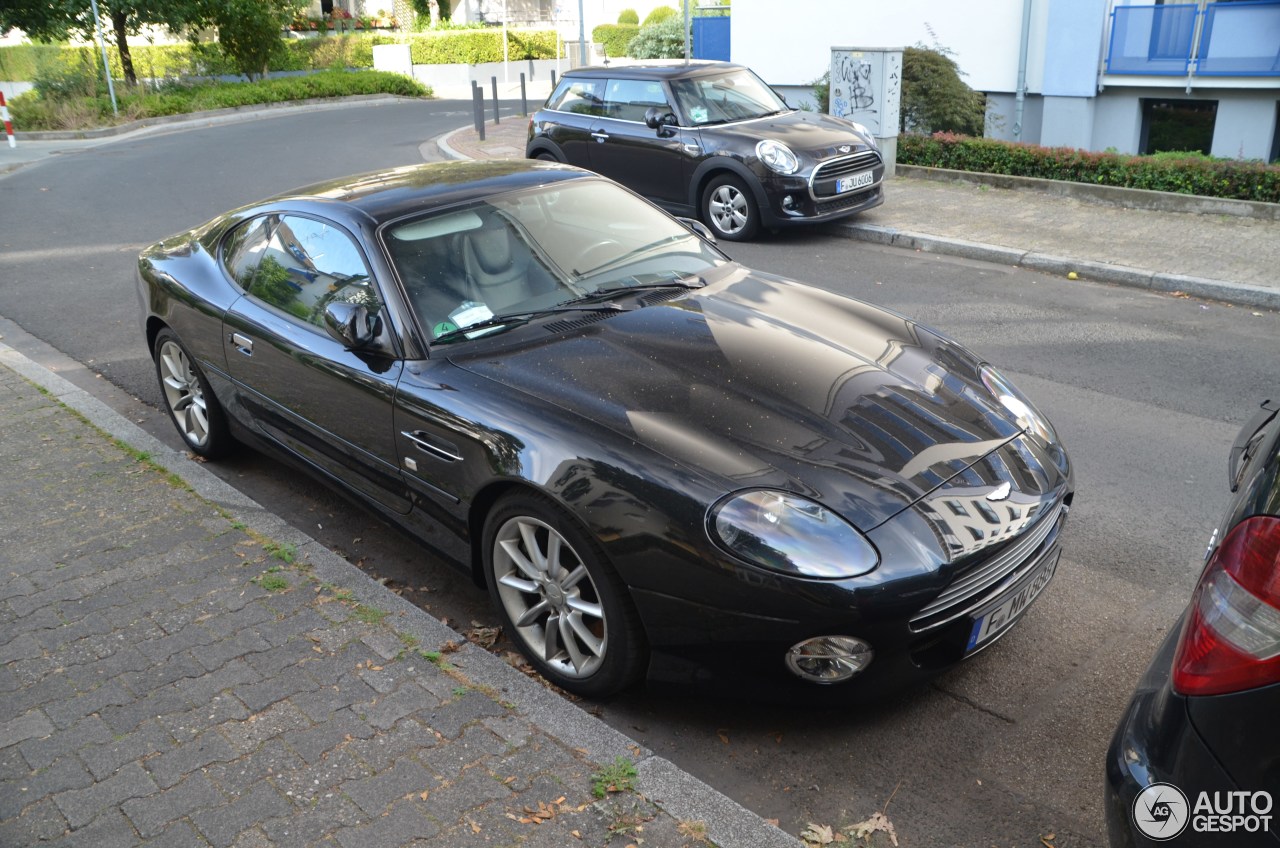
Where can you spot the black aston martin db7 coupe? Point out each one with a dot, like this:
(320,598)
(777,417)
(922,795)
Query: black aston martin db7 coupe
(658,461)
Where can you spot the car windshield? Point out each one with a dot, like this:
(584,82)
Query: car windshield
(731,96)
(538,251)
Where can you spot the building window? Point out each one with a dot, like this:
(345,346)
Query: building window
(1183,125)
(1275,137)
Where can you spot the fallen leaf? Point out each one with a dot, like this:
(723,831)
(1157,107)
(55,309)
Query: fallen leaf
(818,834)
(773,822)
(724,735)
(878,823)
(485,637)
(424,793)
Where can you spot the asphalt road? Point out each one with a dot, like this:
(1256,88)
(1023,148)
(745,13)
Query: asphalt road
(1147,390)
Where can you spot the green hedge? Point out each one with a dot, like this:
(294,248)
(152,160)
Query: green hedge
(1227,178)
(470,46)
(615,37)
(31,112)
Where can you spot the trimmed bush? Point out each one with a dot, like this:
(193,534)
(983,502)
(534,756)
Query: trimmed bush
(660,14)
(166,61)
(629,16)
(615,38)
(1187,174)
(663,40)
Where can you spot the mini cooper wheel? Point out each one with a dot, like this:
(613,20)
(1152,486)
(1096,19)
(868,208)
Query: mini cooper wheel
(729,208)
(560,601)
(191,403)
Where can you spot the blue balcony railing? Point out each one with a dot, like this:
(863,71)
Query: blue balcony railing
(1231,39)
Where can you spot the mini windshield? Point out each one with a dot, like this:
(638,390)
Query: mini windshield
(732,96)
(537,251)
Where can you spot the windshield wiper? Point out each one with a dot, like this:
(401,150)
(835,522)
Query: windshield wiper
(517,318)
(630,255)
(692,281)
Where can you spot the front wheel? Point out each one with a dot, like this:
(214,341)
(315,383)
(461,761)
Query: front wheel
(563,604)
(729,208)
(190,401)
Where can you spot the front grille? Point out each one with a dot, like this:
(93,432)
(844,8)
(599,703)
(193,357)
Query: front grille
(835,168)
(982,583)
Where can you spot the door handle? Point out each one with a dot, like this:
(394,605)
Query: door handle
(600,136)
(423,442)
(244,344)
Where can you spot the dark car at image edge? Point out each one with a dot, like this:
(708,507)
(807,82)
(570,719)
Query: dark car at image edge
(1195,759)
(660,463)
(710,140)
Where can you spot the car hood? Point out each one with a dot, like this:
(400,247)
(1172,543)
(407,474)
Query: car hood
(813,133)
(765,382)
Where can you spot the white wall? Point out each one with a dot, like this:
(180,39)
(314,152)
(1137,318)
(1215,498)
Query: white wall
(789,43)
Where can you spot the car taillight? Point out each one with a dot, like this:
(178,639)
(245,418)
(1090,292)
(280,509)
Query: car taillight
(1231,641)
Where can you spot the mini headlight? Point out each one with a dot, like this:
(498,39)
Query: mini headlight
(1024,413)
(790,534)
(777,156)
(862,130)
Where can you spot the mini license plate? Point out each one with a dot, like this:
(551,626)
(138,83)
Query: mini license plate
(855,182)
(996,620)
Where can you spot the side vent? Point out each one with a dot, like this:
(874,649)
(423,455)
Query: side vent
(576,323)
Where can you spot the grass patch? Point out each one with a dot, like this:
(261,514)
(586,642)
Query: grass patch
(368,614)
(272,580)
(34,111)
(283,551)
(617,777)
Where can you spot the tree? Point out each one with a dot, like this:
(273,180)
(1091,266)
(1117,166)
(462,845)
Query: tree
(56,20)
(663,40)
(249,31)
(934,98)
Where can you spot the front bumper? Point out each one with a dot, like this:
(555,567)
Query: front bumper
(791,200)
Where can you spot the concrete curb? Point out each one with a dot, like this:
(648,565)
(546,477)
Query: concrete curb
(1241,294)
(671,789)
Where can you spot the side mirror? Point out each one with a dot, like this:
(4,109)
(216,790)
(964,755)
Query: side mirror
(350,324)
(655,118)
(700,229)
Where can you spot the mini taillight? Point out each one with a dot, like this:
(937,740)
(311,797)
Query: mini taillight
(1231,640)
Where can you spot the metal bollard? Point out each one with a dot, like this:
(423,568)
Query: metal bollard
(524,98)
(495,100)
(477,107)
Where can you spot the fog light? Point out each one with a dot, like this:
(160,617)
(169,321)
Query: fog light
(788,203)
(829,659)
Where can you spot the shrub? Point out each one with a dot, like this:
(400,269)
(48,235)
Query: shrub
(660,14)
(629,16)
(934,98)
(1189,174)
(615,38)
(663,40)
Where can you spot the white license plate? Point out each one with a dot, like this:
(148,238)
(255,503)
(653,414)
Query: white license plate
(855,182)
(995,621)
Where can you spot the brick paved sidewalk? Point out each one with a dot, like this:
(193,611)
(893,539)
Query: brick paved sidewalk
(180,668)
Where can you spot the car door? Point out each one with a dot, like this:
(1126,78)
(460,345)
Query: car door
(573,107)
(650,161)
(295,384)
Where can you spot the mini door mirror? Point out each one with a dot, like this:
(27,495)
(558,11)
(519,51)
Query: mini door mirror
(700,229)
(656,117)
(350,324)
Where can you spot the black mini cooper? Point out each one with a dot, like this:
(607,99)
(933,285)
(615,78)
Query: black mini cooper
(710,139)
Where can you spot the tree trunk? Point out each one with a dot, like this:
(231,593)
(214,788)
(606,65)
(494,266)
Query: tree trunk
(118,21)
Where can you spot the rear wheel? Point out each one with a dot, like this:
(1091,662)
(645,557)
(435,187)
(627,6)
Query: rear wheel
(190,401)
(729,208)
(560,600)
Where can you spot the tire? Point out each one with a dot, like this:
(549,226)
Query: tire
(729,208)
(544,156)
(192,406)
(564,606)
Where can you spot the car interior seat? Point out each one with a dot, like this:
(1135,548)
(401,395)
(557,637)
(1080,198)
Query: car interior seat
(499,266)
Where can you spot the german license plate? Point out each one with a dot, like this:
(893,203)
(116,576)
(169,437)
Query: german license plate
(996,620)
(855,182)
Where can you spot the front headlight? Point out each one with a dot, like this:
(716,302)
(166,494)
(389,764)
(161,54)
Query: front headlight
(862,130)
(787,533)
(777,156)
(1027,416)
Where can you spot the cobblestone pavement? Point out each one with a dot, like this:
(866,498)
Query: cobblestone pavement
(178,668)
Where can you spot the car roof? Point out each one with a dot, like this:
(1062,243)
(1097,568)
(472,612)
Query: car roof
(681,70)
(382,196)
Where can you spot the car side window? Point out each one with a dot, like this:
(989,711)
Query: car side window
(581,96)
(628,100)
(302,265)
(243,249)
